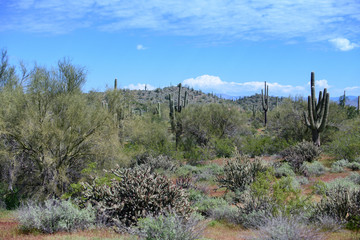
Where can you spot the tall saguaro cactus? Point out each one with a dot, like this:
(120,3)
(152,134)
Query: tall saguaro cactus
(318,111)
(115,84)
(358,105)
(265,102)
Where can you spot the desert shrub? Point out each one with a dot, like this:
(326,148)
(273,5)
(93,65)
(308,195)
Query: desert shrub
(354,177)
(224,147)
(225,213)
(286,228)
(254,211)
(300,153)
(341,182)
(205,204)
(159,162)
(271,197)
(55,215)
(148,135)
(338,166)
(319,187)
(354,166)
(346,142)
(314,169)
(170,226)
(134,193)
(284,170)
(340,202)
(240,173)
(329,223)
(260,145)
(302,180)
(208,172)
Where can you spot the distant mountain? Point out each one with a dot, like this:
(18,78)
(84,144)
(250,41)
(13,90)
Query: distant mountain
(350,100)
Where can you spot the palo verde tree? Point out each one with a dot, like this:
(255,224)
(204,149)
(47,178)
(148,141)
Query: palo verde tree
(51,132)
(317,114)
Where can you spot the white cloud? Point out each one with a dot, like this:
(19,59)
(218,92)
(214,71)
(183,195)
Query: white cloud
(140,47)
(140,86)
(209,83)
(343,44)
(312,20)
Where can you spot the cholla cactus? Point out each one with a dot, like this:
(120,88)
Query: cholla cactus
(132,194)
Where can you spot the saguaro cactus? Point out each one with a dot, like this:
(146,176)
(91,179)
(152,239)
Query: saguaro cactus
(115,84)
(317,114)
(265,102)
(358,104)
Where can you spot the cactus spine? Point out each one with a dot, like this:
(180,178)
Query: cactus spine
(317,114)
(265,102)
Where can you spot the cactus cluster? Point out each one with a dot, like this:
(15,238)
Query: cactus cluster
(318,111)
(134,193)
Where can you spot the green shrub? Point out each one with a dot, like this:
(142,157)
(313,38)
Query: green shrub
(159,162)
(354,166)
(354,177)
(284,170)
(260,145)
(224,147)
(314,169)
(338,166)
(346,143)
(289,228)
(54,216)
(10,199)
(134,193)
(240,173)
(170,226)
(300,153)
(206,204)
(341,182)
(340,202)
(225,213)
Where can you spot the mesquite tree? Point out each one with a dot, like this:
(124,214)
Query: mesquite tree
(318,111)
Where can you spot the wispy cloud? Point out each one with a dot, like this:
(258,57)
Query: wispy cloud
(343,44)
(140,86)
(140,47)
(312,20)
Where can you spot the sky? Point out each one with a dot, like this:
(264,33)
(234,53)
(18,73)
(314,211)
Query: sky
(222,46)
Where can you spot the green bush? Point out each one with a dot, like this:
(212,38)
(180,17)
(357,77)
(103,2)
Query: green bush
(170,226)
(206,204)
(314,169)
(340,202)
(260,145)
(284,227)
(354,166)
(134,193)
(240,173)
(284,170)
(54,216)
(10,199)
(346,142)
(225,213)
(300,153)
(224,147)
(338,166)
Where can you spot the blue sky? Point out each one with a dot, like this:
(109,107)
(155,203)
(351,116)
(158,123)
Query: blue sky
(222,46)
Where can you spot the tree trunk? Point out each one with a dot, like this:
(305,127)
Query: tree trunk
(316,137)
